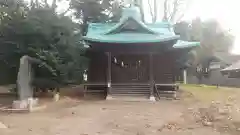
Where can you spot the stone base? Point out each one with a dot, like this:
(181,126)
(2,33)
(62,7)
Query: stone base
(56,97)
(2,126)
(152,98)
(175,95)
(128,98)
(25,104)
(109,97)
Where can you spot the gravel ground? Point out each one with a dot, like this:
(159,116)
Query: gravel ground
(76,117)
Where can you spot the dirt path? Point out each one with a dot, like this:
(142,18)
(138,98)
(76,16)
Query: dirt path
(72,117)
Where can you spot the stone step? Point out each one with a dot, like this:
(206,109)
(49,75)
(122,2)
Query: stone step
(128,98)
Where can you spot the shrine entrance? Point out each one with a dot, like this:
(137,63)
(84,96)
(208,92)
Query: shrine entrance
(130,68)
(133,58)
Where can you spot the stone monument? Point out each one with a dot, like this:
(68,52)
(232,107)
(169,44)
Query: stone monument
(25,90)
(23,80)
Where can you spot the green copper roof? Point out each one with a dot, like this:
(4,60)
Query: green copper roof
(185,44)
(131,29)
(111,33)
(130,38)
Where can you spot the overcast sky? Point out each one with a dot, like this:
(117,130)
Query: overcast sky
(225,11)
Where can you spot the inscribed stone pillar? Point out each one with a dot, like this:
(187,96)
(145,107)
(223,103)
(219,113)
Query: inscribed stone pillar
(24,78)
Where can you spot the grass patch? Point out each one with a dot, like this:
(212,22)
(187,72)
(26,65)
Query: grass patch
(209,93)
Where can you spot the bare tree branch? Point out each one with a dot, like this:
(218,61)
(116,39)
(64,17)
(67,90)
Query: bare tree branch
(180,18)
(32,4)
(140,4)
(37,3)
(64,13)
(155,11)
(54,4)
(175,9)
(165,14)
(188,3)
(150,9)
(46,3)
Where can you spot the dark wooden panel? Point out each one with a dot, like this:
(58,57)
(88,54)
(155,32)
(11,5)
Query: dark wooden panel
(97,71)
(132,48)
(164,67)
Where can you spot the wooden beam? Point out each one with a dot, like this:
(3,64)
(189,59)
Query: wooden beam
(151,77)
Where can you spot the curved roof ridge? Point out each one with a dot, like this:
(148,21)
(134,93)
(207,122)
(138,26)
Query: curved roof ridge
(124,20)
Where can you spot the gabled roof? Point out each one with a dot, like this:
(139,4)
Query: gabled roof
(228,59)
(130,24)
(233,67)
(120,33)
(131,29)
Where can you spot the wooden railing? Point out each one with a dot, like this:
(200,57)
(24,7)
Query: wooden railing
(131,89)
(95,89)
(165,90)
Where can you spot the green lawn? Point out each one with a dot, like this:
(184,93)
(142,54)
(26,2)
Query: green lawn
(211,93)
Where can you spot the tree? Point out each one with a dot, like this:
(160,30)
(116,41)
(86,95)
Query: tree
(38,31)
(173,10)
(212,38)
(104,11)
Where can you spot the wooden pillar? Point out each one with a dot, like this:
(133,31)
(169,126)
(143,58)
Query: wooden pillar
(109,75)
(185,76)
(151,77)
